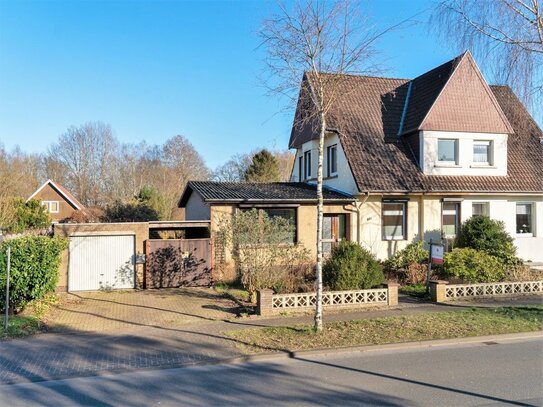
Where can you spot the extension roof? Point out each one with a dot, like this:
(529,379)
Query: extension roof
(375,117)
(248,192)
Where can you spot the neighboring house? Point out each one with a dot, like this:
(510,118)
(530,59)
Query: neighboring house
(58,201)
(405,160)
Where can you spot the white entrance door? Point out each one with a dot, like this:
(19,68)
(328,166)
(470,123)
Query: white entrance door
(101,262)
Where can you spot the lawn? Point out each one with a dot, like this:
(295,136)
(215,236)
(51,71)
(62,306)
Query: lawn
(443,325)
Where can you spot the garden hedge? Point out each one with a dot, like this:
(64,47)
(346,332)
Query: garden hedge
(34,272)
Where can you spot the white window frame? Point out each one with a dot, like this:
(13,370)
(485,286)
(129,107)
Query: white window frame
(404,220)
(307,165)
(49,206)
(490,156)
(532,219)
(486,205)
(456,149)
(329,150)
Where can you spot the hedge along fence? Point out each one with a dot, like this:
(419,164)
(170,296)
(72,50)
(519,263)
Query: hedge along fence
(34,268)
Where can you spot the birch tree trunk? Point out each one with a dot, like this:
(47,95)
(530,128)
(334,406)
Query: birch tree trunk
(320,207)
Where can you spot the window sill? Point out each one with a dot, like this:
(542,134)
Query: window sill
(393,239)
(445,165)
(524,235)
(332,176)
(491,167)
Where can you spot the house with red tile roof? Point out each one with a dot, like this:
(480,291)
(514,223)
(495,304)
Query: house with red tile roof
(405,160)
(58,201)
(420,156)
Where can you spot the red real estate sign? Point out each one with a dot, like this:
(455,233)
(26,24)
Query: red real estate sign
(436,254)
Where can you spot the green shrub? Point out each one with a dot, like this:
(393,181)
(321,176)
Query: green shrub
(488,235)
(351,267)
(130,212)
(473,266)
(413,253)
(18,215)
(34,268)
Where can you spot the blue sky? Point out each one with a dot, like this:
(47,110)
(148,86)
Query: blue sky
(154,69)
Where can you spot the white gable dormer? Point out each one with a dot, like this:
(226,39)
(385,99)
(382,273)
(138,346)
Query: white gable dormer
(336,170)
(464,131)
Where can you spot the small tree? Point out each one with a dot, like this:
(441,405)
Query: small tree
(351,267)
(262,248)
(264,168)
(28,215)
(490,236)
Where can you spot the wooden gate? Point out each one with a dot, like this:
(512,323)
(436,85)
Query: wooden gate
(178,262)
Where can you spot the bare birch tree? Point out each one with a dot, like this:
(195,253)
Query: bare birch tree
(321,41)
(505,35)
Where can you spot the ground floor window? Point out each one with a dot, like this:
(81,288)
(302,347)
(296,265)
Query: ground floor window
(524,218)
(335,229)
(480,209)
(285,213)
(450,218)
(394,220)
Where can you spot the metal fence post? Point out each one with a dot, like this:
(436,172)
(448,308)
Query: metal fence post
(6,316)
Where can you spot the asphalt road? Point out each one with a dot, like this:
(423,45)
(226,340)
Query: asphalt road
(502,372)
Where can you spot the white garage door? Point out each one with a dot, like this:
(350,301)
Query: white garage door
(101,262)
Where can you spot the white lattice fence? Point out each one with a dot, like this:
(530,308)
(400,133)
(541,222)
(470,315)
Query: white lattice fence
(491,289)
(330,299)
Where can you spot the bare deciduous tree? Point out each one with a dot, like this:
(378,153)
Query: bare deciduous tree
(506,35)
(234,169)
(321,41)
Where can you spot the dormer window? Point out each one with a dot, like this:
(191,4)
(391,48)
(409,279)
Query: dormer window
(482,152)
(447,151)
(307,164)
(332,160)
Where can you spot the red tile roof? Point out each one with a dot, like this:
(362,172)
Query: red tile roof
(368,117)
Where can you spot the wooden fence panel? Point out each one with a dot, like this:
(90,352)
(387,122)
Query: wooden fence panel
(178,262)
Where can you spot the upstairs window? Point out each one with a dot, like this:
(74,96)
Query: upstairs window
(524,218)
(450,218)
(332,159)
(307,165)
(482,152)
(394,220)
(447,151)
(51,206)
(300,169)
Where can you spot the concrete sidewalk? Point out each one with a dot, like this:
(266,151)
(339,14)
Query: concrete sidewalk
(60,355)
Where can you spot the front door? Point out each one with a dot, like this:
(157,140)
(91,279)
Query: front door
(334,231)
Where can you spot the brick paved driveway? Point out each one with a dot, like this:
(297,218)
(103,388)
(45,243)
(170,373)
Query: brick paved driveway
(121,310)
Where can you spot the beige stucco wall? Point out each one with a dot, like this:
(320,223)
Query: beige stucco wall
(371,228)
(306,231)
(139,229)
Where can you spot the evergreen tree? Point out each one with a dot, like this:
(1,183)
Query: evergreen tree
(264,168)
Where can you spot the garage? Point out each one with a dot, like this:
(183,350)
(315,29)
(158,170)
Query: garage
(98,262)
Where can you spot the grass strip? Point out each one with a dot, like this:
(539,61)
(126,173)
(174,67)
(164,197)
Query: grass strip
(20,326)
(442,325)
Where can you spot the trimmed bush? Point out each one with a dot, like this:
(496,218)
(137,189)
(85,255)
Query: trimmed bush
(34,268)
(351,267)
(130,212)
(409,265)
(473,266)
(488,235)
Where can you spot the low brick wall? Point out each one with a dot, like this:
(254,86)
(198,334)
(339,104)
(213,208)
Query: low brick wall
(442,291)
(269,303)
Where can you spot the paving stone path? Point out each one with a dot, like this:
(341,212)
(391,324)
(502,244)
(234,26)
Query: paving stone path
(84,347)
